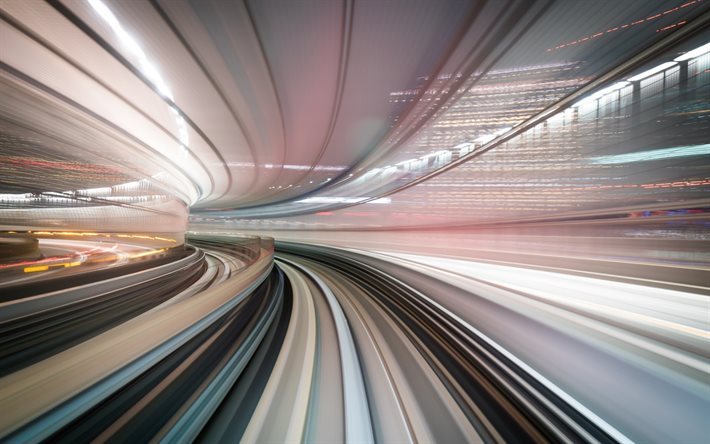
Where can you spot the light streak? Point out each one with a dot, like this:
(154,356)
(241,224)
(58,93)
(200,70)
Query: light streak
(332,199)
(602,92)
(649,72)
(105,235)
(666,28)
(628,25)
(149,70)
(660,154)
(694,53)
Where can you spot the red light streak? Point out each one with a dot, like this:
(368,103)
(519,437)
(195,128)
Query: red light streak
(671,26)
(647,186)
(20,162)
(45,260)
(627,25)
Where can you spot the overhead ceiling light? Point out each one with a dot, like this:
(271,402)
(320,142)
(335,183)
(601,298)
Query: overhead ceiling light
(149,70)
(602,92)
(697,52)
(655,70)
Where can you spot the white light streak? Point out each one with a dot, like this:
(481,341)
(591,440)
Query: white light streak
(660,154)
(147,68)
(335,200)
(602,92)
(697,52)
(655,70)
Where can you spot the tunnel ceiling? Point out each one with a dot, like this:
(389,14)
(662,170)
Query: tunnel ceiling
(252,106)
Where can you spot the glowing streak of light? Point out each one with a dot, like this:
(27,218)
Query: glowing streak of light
(661,154)
(106,235)
(626,26)
(147,68)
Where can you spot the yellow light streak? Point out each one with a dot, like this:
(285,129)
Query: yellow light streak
(107,235)
(145,253)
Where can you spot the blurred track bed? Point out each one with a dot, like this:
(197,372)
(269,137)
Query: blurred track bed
(542,362)
(674,320)
(447,383)
(200,327)
(35,327)
(335,345)
(175,397)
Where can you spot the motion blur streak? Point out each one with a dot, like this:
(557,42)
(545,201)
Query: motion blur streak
(355,221)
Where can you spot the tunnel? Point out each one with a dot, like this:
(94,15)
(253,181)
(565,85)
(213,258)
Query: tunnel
(355,221)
